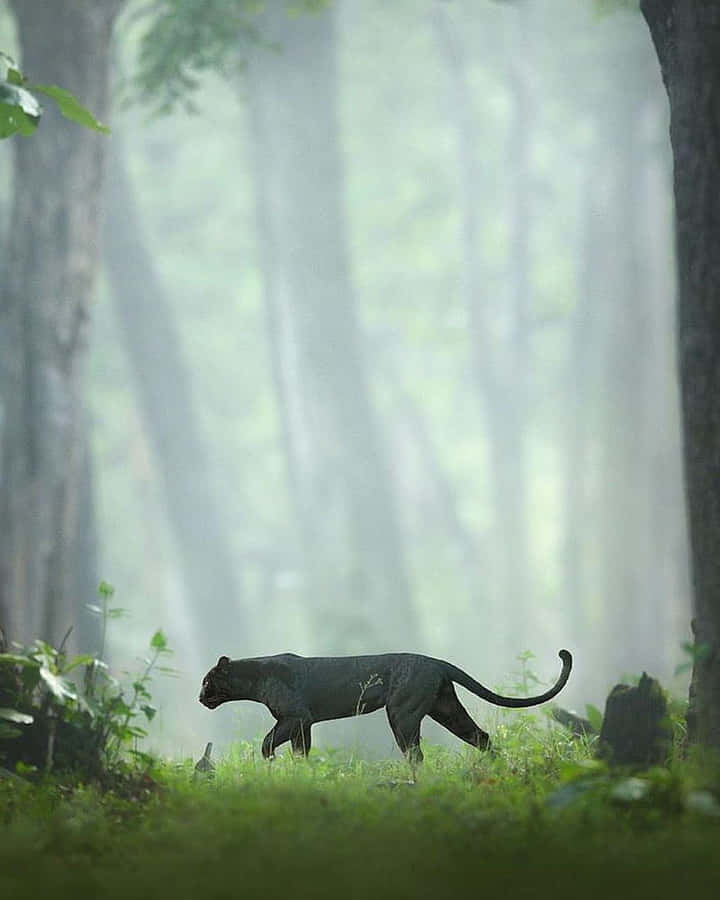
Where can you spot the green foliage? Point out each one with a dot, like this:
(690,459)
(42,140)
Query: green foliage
(594,716)
(305,828)
(20,110)
(188,38)
(694,653)
(70,107)
(48,721)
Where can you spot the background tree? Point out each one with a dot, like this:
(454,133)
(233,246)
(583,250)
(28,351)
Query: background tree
(337,461)
(50,269)
(687,41)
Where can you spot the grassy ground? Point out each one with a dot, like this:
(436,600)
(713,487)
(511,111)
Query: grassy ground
(538,819)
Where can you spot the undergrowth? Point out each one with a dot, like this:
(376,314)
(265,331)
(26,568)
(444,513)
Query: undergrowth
(70,713)
(539,817)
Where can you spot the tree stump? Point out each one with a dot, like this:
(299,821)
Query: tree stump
(635,730)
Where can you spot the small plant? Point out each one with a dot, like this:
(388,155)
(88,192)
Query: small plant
(525,679)
(49,721)
(373,681)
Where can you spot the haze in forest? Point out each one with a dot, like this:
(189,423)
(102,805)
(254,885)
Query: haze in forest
(382,356)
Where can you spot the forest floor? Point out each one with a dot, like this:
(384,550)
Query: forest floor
(541,818)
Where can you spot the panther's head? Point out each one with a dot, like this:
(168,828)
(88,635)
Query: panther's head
(216,684)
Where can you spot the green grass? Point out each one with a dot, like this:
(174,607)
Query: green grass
(538,819)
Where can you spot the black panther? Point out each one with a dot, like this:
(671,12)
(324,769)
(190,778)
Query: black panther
(300,691)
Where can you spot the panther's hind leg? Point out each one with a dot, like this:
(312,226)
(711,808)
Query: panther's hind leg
(300,738)
(405,727)
(409,700)
(449,712)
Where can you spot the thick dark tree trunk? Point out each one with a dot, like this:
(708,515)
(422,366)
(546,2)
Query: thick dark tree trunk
(339,471)
(52,259)
(164,393)
(687,40)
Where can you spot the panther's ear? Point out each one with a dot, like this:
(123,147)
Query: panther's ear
(223,661)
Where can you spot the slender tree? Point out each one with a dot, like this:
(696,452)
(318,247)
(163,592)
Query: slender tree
(687,40)
(51,264)
(338,464)
(500,366)
(164,391)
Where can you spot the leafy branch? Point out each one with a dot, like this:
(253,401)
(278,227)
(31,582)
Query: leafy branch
(20,109)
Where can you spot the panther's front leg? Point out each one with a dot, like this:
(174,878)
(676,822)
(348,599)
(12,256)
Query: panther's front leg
(295,729)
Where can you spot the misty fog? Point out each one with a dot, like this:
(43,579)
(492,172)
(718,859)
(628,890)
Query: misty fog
(382,356)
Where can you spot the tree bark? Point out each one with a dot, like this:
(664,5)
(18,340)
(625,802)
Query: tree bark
(338,468)
(687,40)
(164,392)
(52,260)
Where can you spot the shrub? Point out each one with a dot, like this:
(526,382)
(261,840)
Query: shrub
(51,719)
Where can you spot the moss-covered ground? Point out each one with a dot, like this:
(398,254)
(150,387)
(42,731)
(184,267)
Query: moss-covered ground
(537,819)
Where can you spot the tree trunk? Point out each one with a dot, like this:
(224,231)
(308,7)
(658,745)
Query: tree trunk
(625,530)
(500,371)
(687,40)
(339,471)
(581,385)
(164,393)
(52,259)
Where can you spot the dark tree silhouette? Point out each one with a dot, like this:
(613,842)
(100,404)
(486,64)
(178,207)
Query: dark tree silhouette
(687,40)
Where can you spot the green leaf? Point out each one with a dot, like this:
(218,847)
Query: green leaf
(136,731)
(72,109)
(158,641)
(141,690)
(117,612)
(56,686)
(6,62)
(149,711)
(84,660)
(16,659)
(13,118)
(44,649)
(105,589)
(14,715)
(14,95)
(594,716)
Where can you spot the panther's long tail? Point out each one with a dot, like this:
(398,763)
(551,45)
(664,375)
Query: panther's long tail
(480,690)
